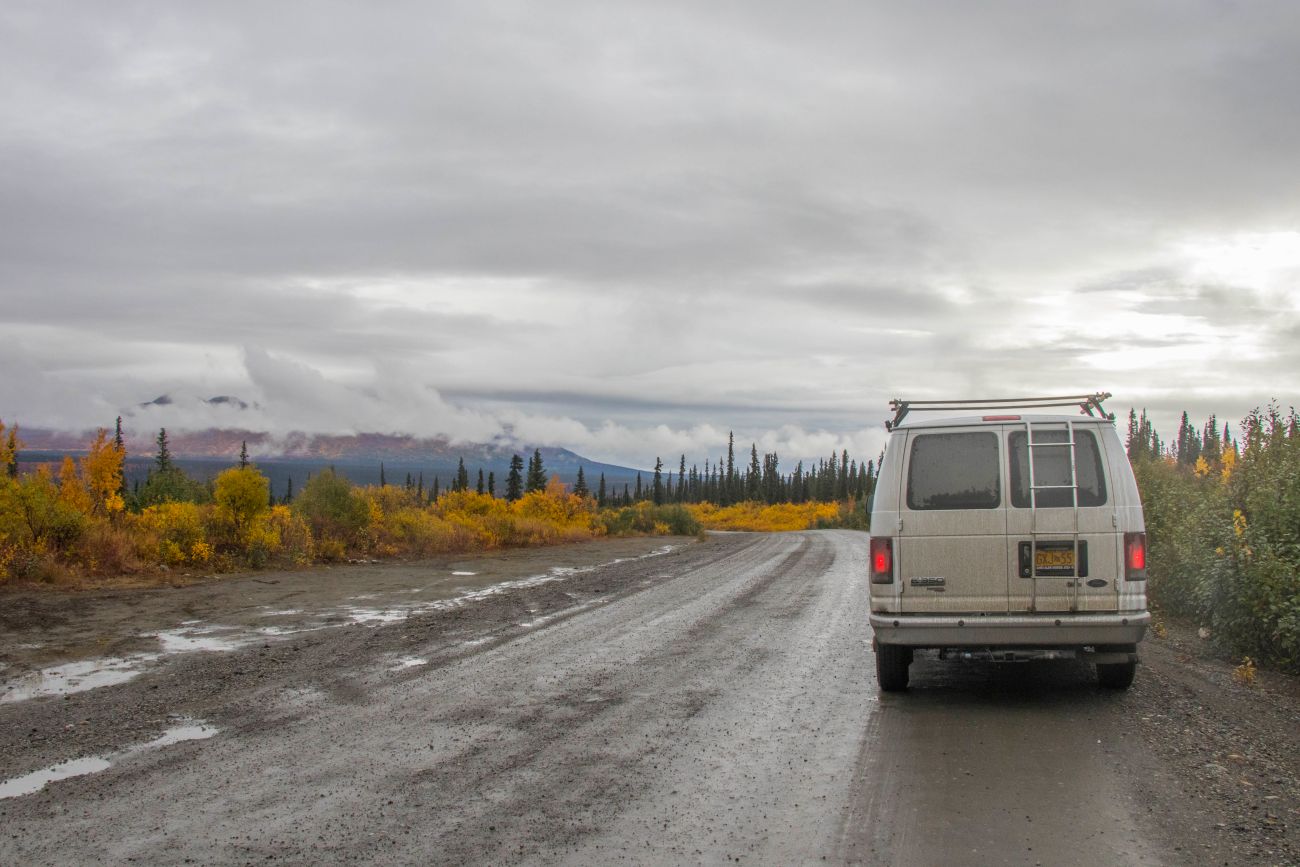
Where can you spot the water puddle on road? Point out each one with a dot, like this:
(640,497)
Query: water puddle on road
(190,640)
(74,677)
(27,784)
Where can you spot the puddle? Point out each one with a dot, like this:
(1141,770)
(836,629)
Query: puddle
(73,677)
(28,784)
(37,780)
(287,612)
(375,616)
(189,640)
(464,574)
(409,662)
(195,731)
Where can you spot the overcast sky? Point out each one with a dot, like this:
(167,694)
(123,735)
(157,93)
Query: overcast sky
(626,228)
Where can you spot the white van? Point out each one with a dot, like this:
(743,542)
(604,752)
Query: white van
(1007,536)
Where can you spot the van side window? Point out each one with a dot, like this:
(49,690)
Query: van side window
(1052,467)
(954,471)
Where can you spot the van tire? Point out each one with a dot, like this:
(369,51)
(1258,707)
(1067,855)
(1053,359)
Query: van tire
(892,662)
(1118,675)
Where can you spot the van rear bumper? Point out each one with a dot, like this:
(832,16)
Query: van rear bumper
(1018,630)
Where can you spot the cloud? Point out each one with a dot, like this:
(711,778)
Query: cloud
(655,222)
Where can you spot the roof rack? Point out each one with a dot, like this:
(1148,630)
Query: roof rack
(1086,403)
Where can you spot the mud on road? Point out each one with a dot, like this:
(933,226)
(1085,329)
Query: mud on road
(625,701)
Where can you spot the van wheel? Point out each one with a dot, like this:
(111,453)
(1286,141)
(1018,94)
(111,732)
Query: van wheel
(1118,675)
(892,662)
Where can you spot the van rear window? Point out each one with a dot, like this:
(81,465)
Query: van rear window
(954,471)
(1052,467)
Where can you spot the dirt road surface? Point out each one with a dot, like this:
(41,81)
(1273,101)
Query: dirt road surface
(633,701)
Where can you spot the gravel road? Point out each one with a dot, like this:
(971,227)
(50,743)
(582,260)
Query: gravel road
(628,701)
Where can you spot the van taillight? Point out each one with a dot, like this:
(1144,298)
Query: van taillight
(882,561)
(1135,556)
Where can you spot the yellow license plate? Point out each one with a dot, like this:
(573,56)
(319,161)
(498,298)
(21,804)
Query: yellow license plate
(1054,558)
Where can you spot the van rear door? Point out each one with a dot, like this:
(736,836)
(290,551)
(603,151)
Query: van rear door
(953,523)
(1040,537)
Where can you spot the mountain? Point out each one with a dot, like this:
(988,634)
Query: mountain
(358,456)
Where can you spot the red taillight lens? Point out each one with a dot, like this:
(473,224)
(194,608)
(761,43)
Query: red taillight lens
(882,561)
(1135,556)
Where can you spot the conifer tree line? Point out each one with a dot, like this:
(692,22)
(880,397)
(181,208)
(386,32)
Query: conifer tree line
(1208,442)
(836,478)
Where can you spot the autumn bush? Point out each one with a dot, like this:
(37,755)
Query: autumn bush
(764,518)
(1224,538)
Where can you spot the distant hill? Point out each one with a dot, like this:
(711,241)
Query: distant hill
(359,456)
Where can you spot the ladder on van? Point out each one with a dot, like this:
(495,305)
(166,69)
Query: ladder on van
(1034,488)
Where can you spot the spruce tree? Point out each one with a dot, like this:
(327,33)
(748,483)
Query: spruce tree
(419,487)
(383,481)
(462,476)
(681,480)
(492,483)
(11,453)
(657,490)
(243,454)
(637,493)
(437,483)
(482,488)
(729,483)
(600,492)
(288,491)
(164,456)
(515,479)
(119,443)
(580,486)
(754,478)
(536,473)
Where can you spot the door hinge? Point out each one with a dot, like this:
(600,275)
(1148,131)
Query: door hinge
(900,525)
(1114,519)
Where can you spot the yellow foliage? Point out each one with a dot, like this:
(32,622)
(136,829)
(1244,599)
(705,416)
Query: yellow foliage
(295,539)
(72,492)
(1202,468)
(1244,674)
(101,473)
(1229,461)
(1238,523)
(241,495)
(172,528)
(764,519)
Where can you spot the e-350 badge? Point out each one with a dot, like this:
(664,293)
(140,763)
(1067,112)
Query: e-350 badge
(929,581)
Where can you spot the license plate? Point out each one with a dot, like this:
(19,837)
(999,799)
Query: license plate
(1054,559)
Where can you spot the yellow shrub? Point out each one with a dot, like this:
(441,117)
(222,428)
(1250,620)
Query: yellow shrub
(765,519)
(170,529)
